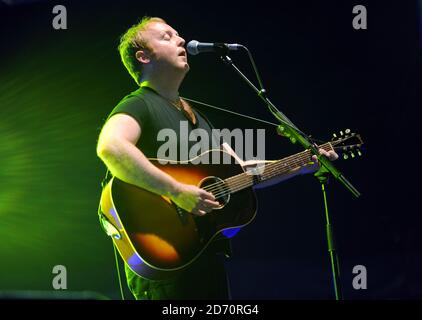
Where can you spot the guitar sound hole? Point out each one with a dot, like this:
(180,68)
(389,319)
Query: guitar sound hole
(218,188)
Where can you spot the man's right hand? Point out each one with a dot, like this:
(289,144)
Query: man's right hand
(194,199)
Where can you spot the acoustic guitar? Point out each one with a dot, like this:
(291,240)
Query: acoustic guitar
(157,239)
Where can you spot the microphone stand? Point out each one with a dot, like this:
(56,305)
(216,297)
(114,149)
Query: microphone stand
(288,129)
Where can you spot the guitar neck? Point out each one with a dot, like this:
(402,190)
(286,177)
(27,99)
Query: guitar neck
(271,170)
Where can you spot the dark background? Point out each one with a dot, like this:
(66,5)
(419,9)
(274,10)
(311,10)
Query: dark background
(58,86)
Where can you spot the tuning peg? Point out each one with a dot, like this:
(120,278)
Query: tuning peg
(347,131)
(345,156)
(334,135)
(341,133)
(280,130)
(359,153)
(352,154)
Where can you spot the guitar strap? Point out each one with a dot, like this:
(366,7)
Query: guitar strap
(229,111)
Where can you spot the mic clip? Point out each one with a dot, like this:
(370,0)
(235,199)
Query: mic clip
(221,48)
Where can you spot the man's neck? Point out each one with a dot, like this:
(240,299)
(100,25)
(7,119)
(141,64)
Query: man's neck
(165,86)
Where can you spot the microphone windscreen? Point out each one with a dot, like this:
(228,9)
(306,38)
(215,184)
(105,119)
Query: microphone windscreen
(192,47)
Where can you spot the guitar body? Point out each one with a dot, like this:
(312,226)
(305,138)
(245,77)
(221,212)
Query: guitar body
(158,239)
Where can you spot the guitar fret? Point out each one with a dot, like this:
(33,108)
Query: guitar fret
(278,168)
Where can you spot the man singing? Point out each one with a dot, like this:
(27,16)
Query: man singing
(154,55)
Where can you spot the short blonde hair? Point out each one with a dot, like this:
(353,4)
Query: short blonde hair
(132,41)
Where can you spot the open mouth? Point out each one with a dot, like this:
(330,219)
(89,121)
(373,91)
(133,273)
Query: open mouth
(183,53)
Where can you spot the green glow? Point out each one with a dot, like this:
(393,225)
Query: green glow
(50,116)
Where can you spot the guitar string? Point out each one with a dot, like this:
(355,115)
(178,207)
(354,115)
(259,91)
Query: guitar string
(269,173)
(275,166)
(219,185)
(242,180)
(247,180)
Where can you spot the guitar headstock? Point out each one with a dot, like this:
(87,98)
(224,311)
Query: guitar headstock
(348,143)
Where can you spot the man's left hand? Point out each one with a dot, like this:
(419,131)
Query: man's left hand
(314,167)
(331,155)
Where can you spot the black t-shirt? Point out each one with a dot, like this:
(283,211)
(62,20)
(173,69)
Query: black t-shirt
(154,113)
(157,116)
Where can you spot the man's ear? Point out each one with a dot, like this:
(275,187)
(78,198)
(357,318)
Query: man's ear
(142,56)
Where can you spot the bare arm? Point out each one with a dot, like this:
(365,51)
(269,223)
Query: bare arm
(117,149)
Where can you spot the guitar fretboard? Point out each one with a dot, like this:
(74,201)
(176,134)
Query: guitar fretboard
(271,170)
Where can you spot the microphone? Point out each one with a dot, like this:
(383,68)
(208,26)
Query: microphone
(194,47)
